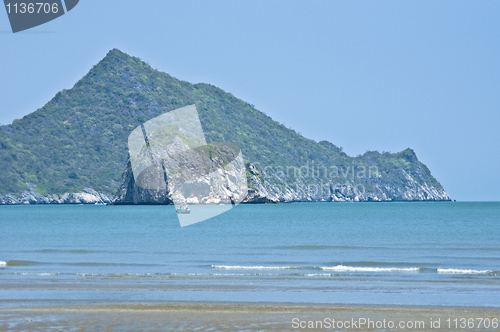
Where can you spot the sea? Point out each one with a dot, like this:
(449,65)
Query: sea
(395,253)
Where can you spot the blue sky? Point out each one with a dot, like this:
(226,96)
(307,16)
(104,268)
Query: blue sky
(383,75)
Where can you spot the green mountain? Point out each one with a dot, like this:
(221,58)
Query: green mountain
(79,140)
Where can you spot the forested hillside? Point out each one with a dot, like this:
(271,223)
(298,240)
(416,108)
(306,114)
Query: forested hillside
(79,138)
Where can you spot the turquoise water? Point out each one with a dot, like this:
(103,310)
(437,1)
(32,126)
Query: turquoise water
(374,253)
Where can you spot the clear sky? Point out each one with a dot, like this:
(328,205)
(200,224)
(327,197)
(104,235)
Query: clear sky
(365,75)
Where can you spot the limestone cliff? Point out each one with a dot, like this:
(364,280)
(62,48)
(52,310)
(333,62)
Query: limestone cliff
(274,187)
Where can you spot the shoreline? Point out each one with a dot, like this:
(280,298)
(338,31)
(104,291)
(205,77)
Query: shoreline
(9,201)
(226,316)
(90,196)
(226,305)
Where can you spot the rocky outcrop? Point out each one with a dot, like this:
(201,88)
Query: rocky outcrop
(130,193)
(263,188)
(270,192)
(272,186)
(276,188)
(413,183)
(222,185)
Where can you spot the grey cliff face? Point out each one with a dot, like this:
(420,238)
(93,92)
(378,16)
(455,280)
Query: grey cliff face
(269,188)
(131,194)
(219,186)
(275,188)
(224,183)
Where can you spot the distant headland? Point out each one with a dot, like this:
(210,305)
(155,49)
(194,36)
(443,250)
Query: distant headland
(74,150)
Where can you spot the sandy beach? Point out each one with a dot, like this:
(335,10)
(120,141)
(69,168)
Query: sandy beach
(238,317)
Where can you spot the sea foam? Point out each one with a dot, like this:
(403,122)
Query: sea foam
(3,263)
(463,271)
(342,268)
(238,267)
(339,268)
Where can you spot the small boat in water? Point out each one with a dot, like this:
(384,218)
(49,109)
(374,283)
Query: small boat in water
(182,209)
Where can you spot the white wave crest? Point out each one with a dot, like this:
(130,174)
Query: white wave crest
(37,274)
(339,268)
(3,263)
(239,267)
(342,268)
(463,271)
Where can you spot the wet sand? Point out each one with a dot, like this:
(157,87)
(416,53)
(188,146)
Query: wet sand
(52,316)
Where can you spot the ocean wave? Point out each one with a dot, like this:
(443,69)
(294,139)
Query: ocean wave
(339,268)
(72,251)
(32,274)
(170,275)
(29,263)
(306,247)
(21,263)
(342,268)
(223,274)
(81,251)
(323,247)
(463,271)
(240,267)
(382,264)
(106,264)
